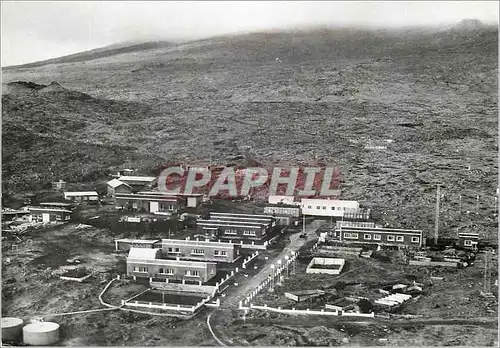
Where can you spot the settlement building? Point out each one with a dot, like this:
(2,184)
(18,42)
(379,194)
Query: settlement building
(146,263)
(137,181)
(288,200)
(116,186)
(468,240)
(152,203)
(192,200)
(201,250)
(127,244)
(241,228)
(380,236)
(59,185)
(84,196)
(47,214)
(326,207)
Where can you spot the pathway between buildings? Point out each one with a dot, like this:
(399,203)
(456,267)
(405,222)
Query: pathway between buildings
(228,311)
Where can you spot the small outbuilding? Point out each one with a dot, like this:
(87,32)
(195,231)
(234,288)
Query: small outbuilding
(117,186)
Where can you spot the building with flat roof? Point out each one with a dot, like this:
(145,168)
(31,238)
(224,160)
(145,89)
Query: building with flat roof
(288,200)
(48,214)
(248,229)
(468,240)
(326,207)
(201,250)
(151,203)
(380,236)
(133,180)
(192,200)
(83,196)
(126,244)
(146,263)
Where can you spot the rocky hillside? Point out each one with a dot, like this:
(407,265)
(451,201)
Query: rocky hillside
(428,96)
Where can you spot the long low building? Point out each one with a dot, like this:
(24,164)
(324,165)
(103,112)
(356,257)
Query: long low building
(468,240)
(192,200)
(147,263)
(381,236)
(152,203)
(81,196)
(126,244)
(137,180)
(47,214)
(281,210)
(326,207)
(237,227)
(201,250)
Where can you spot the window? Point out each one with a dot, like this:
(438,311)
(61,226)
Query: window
(169,250)
(198,252)
(377,237)
(324,208)
(333,208)
(177,250)
(171,207)
(350,235)
(166,271)
(467,242)
(318,207)
(368,236)
(339,208)
(234,232)
(220,252)
(415,239)
(249,233)
(190,273)
(390,238)
(309,207)
(141,269)
(400,238)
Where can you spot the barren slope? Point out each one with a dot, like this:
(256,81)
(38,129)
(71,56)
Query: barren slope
(429,96)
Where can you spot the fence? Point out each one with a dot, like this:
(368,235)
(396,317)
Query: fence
(308,311)
(205,289)
(168,306)
(433,263)
(249,259)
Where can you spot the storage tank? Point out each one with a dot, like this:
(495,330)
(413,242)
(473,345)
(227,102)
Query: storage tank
(41,334)
(11,328)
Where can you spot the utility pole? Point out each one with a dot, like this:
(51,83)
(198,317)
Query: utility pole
(460,203)
(436,224)
(303,224)
(477,204)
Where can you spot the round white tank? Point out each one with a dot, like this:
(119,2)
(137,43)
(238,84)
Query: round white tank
(41,334)
(11,328)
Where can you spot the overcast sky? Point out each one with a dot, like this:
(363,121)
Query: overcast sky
(33,31)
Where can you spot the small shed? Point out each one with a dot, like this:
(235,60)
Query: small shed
(342,304)
(117,186)
(299,296)
(468,240)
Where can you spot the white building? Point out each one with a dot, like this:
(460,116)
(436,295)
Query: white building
(289,200)
(326,207)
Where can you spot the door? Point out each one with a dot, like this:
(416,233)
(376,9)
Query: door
(153,207)
(45,217)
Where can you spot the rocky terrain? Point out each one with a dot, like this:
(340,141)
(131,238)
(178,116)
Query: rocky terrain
(396,111)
